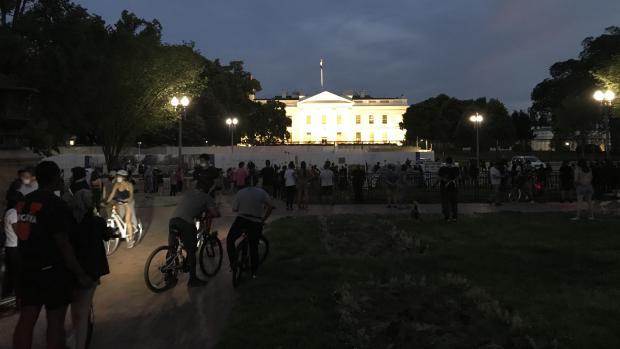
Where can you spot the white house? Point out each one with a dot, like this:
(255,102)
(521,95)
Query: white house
(330,118)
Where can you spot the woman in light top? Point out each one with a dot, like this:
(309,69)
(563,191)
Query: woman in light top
(122,194)
(290,183)
(583,188)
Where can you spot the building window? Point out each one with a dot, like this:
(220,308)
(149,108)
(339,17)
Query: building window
(324,119)
(371,119)
(339,119)
(308,138)
(358,137)
(372,137)
(339,136)
(323,140)
(385,139)
(308,119)
(358,119)
(384,119)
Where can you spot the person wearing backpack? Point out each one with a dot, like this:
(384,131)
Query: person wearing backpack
(448,176)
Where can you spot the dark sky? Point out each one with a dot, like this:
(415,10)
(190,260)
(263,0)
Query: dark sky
(419,48)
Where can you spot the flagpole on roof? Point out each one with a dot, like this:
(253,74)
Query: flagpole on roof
(321,74)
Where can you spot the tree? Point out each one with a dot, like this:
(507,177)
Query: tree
(267,125)
(573,81)
(577,117)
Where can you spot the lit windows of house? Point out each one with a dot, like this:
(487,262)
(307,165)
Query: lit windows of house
(384,121)
(371,138)
(358,119)
(339,119)
(324,119)
(358,137)
(339,136)
(371,119)
(385,138)
(308,119)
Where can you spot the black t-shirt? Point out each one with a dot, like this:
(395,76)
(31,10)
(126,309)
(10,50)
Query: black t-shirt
(41,215)
(448,176)
(268,174)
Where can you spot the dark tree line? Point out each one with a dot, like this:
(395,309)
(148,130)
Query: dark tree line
(110,84)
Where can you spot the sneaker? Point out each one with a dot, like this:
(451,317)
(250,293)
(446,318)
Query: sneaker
(131,244)
(196,283)
(574,219)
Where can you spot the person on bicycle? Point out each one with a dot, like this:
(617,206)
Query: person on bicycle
(253,206)
(193,204)
(122,195)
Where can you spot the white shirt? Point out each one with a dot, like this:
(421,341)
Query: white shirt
(289,177)
(10,218)
(327,178)
(496,176)
(27,189)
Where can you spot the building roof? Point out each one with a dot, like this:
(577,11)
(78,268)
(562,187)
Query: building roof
(330,96)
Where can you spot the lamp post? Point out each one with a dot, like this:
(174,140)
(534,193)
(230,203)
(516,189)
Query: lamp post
(139,145)
(477,119)
(606,99)
(183,102)
(232,123)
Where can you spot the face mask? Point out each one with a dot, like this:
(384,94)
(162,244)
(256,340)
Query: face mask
(26,181)
(119,180)
(57,193)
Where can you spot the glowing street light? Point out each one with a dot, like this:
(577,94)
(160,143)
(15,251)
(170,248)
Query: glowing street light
(477,119)
(232,123)
(184,102)
(606,99)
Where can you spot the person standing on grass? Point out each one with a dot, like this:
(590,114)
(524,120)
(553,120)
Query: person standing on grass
(566,181)
(448,189)
(239,176)
(48,265)
(290,184)
(303,176)
(495,175)
(358,176)
(390,181)
(268,174)
(327,183)
(583,188)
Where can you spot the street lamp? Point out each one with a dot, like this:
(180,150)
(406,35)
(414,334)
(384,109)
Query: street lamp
(232,123)
(606,98)
(477,119)
(183,102)
(139,145)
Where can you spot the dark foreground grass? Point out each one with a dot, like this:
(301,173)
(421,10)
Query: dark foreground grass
(560,279)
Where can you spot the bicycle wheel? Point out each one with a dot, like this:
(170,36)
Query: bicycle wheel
(211,254)
(240,265)
(263,249)
(161,269)
(515,195)
(111,245)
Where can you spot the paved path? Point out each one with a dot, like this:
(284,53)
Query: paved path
(130,316)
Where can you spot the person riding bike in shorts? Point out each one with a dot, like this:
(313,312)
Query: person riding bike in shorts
(193,204)
(254,206)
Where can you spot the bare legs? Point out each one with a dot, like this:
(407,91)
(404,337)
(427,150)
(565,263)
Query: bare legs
(22,338)
(80,312)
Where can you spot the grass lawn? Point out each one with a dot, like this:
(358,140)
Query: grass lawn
(504,280)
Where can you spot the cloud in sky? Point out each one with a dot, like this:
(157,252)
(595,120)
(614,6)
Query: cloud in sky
(494,48)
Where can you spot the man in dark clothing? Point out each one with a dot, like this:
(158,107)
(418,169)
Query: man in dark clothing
(358,175)
(448,176)
(48,263)
(268,174)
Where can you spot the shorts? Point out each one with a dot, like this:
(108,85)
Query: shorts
(584,191)
(52,288)
(327,190)
(187,231)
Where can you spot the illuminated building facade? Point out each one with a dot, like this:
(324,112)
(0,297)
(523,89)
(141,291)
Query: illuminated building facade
(328,118)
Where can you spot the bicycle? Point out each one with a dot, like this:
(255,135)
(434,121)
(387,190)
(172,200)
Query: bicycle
(242,264)
(166,262)
(117,223)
